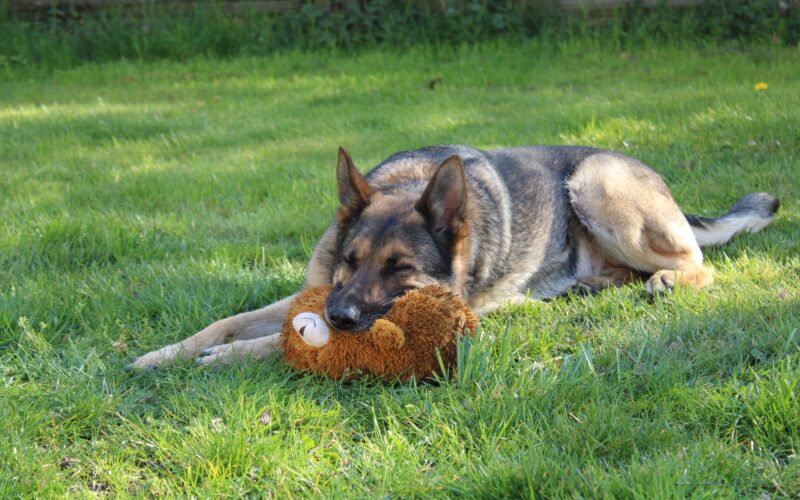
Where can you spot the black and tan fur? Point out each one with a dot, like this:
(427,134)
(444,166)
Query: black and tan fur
(495,227)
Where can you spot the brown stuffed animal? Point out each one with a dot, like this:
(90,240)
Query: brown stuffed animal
(400,345)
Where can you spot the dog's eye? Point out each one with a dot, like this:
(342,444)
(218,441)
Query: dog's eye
(394,267)
(350,260)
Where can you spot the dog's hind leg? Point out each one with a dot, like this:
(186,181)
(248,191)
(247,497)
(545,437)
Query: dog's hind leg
(612,276)
(634,222)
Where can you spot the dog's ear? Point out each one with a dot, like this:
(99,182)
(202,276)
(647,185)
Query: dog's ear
(354,191)
(444,202)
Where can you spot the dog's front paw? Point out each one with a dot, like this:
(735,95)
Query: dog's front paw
(156,359)
(239,349)
(220,354)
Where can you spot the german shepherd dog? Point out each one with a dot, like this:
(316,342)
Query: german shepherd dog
(494,227)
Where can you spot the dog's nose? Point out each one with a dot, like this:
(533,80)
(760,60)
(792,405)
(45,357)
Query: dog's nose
(344,317)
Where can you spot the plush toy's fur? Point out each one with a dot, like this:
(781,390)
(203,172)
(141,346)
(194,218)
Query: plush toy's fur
(400,345)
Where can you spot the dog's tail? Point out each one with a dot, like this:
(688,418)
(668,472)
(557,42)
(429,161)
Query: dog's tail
(752,213)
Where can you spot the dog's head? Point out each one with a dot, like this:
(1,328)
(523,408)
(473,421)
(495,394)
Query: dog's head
(393,241)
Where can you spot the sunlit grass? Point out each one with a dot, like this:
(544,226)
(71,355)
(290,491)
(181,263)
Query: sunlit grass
(141,201)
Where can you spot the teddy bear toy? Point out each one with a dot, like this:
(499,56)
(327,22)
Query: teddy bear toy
(402,344)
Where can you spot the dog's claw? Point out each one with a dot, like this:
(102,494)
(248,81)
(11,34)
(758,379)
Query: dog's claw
(583,289)
(213,355)
(661,282)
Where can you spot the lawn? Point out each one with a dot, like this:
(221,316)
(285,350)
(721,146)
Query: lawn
(141,201)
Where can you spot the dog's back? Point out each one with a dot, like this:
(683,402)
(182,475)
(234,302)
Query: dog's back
(525,236)
(520,218)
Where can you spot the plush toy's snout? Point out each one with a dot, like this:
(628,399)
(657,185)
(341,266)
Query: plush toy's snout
(387,334)
(312,329)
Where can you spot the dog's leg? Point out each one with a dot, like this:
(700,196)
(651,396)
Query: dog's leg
(492,299)
(245,326)
(610,277)
(238,349)
(633,220)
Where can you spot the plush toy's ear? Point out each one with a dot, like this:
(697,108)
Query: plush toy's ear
(387,335)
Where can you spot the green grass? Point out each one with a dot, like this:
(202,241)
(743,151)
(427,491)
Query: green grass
(141,201)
